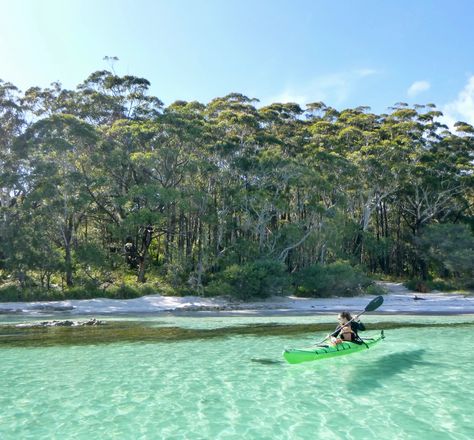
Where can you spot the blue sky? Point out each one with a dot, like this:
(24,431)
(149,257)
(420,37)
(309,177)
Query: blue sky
(345,53)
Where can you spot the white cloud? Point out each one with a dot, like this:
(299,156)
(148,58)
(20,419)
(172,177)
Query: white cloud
(417,87)
(366,72)
(462,108)
(289,95)
(334,88)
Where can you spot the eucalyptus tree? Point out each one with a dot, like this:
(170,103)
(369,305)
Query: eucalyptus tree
(13,163)
(335,176)
(58,145)
(109,102)
(35,251)
(199,227)
(162,159)
(365,146)
(12,124)
(105,97)
(198,190)
(116,105)
(233,128)
(45,102)
(431,172)
(449,251)
(292,182)
(43,121)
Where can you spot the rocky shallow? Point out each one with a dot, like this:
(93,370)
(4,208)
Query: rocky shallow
(63,323)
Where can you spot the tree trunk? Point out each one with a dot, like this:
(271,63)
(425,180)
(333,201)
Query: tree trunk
(67,235)
(68,265)
(146,241)
(142,268)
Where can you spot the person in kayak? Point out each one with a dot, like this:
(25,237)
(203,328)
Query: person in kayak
(347,331)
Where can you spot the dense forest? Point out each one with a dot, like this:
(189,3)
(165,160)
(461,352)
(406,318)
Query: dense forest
(104,190)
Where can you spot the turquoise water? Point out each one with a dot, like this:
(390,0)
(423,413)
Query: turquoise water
(417,384)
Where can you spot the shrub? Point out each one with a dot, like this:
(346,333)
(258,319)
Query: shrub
(176,274)
(10,292)
(336,279)
(83,292)
(258,279)
(449,247)
(147,289)
(123,291)
(219,287)
(425,286)
(375,289)
(15,293)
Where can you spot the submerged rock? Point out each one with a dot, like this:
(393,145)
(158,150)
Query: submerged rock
(10,311)
(52,308)
(65,323)
(36,307)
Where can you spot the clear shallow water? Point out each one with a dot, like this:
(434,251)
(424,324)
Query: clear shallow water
(417,384)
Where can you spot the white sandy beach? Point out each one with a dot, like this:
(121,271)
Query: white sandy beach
(397,300)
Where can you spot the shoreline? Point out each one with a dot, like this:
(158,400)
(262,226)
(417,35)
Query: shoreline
(269,313)
(398,301)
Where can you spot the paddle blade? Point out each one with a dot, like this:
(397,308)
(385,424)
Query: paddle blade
(374,304)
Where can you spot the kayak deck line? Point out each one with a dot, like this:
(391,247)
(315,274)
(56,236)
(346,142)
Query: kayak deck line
(299,355)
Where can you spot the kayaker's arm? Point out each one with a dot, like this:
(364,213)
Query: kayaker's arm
(357,325)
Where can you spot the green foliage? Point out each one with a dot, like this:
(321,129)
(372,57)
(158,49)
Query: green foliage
(10,292)
(91,254)
(13,292)
(259,279)
(450,247)
(176,274)
(219,287)
(446,285)
(83,292)
(440,285)
(335,279)
(375,289)
(123,291)
(105,192)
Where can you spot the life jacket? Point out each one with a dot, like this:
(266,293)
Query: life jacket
(347,334)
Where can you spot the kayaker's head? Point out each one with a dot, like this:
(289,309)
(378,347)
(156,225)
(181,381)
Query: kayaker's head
(344,317)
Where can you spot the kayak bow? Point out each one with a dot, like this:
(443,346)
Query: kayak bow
(298,355)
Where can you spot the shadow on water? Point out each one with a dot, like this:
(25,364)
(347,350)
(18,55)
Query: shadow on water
(375,374)
(267,361)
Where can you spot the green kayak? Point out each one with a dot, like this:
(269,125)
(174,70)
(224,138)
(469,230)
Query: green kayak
(298,355)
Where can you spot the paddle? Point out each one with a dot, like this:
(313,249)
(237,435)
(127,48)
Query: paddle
(373,305)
